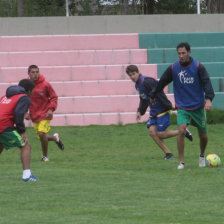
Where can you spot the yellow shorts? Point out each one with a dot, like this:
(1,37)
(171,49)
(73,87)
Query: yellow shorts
(42,126)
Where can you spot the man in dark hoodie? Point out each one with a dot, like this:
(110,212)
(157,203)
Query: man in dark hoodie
(193,93)
(13,107)
(159,118)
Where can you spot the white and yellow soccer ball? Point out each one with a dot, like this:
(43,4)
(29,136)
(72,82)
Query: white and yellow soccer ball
(213,160)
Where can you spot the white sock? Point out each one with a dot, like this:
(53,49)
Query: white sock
(26,173)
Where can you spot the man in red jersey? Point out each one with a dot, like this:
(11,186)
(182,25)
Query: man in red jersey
(13,107)
(43,103)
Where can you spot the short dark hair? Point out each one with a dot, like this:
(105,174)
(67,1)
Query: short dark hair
(31,67)
(27,84)
(132,68)
(184,44)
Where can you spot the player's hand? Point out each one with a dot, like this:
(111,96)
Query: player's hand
(24,138)
(138,116)
(208,105)
(49,114)
(27,116)
(152,101)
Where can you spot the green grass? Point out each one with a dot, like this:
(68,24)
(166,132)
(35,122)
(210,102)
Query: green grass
(113,175)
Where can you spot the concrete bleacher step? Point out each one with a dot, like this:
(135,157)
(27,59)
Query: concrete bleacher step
(171,40)
(218,84)
(169,55)
(215,69)
(76,57)
(76,73)
(100,104)
(88,88)
(85,119)
(69,42)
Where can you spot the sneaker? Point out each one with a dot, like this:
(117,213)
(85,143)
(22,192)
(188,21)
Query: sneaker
(180,166)
(169,156)
(201,161)
(44,159)
(58,141)
(188,135)
(30,178)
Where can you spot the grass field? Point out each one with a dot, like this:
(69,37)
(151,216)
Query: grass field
(113,175)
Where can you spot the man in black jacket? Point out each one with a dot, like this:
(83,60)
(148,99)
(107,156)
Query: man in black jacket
(159,118)
(193,93)
(13,107)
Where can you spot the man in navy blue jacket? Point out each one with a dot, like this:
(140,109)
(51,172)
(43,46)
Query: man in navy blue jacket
(13,107)
(159,118)
(193,95)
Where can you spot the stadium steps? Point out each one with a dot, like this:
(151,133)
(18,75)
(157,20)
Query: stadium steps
(208,48)
(69,42)
(76,73)
(169,55)
(73,57)
(87,72)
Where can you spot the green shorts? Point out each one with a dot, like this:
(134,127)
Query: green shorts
(195,117)
(11,139)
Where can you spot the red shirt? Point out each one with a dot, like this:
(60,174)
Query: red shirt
(43,99)
(7,107)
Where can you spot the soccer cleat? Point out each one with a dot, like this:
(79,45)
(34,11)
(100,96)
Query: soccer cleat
(169,156)
(45,159)
(58,141)
(202,161)
(180,166)
(30,178)
(188,135)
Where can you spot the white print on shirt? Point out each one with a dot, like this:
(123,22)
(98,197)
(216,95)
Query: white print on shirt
(5,100)
(184,79)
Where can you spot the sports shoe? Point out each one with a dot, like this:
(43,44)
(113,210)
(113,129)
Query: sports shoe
(58,141)
(180,166)
(44,159)
(30,178)
(188,135)
(169,156)
(201,161)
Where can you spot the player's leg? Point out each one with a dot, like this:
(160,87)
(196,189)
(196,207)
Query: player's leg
(56,138)
(154,133)
(1,148)
(157,140)
(163,122)
(183,119)
(44,143)
(42,128)
(199,120)
(180,142)
(13,139)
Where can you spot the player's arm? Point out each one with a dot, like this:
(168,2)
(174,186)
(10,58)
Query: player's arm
(206,82)
(20,110)
(142,107)
(207,86)
(151,84)
(166,78)
(53,98)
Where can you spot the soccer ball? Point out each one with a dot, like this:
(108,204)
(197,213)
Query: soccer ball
(213,160)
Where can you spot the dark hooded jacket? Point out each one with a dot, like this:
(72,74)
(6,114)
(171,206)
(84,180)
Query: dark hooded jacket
(22,106)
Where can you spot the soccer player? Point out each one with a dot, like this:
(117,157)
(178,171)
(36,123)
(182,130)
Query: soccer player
(43,104)
(13,107)
(193,93)
(159,118)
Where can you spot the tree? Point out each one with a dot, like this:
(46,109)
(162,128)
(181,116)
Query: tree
(20,8)
(148,6)
(215,6)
